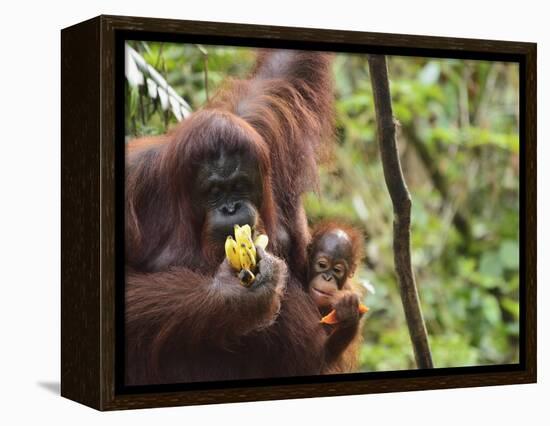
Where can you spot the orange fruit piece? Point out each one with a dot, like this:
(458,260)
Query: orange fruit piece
(331,317)
(363,309)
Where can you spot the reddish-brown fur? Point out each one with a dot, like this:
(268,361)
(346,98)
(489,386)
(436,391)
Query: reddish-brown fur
(342,349)
(187,317)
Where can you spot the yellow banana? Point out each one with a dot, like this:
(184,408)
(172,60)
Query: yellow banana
(241,252)
(247,230)
(238,234)
(261,241)
(232,253)
(243,235)
(247,261)
(250,255)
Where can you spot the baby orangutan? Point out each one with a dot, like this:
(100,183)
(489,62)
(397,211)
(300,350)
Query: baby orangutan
(334,253)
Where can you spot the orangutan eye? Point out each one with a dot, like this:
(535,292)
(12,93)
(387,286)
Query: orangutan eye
(338,270)
(215,191)
(240,187)
(322,264)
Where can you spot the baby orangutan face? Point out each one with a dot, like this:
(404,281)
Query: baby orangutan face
(330,266)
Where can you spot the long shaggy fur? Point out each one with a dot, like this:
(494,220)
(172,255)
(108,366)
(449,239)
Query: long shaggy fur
(181,325)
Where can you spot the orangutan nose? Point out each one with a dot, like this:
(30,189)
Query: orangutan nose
(229,209)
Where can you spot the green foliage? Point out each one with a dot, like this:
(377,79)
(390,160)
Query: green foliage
(187,68)
(465,113)
(459,146)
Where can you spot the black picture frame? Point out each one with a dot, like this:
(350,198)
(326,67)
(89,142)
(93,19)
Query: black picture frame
(92,170)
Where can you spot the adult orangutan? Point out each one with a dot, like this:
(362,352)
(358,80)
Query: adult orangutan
(246,157)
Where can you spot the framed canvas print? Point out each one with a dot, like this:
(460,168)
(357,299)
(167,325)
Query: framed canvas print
(253,212)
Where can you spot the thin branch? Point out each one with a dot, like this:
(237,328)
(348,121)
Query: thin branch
(401,201)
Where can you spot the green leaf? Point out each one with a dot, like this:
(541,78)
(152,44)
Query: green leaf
(511,306)
(491,310)
(490,264)
(132,106)
(509,254)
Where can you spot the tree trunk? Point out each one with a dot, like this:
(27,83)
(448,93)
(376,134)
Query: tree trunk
(401,201)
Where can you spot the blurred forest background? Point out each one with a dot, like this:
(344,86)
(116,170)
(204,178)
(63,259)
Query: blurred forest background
(459,145)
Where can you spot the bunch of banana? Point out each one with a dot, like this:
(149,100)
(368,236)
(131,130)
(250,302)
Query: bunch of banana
(241,252)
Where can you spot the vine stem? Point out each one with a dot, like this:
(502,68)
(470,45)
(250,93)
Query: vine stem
(401,201)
